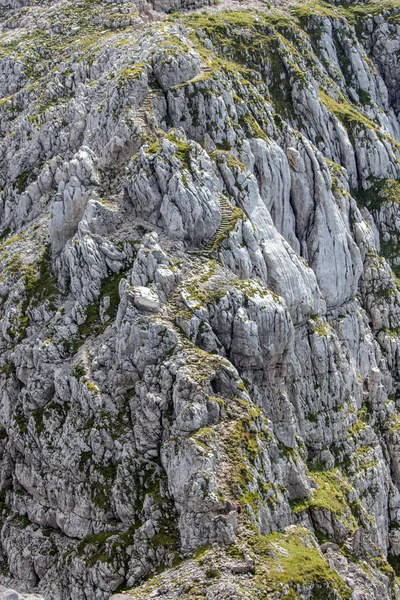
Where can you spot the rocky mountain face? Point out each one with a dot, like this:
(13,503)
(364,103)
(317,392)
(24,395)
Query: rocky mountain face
(199,218)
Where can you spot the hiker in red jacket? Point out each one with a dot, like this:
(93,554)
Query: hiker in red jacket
(239,509)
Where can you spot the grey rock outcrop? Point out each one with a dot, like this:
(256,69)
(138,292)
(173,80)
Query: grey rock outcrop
(199,305)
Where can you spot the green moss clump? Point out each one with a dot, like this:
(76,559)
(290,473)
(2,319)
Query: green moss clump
(8,369)
(366,457)
(393,423)
(231,161)
(212,573)
(20,420)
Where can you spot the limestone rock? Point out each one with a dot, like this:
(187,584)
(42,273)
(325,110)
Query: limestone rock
(199,306)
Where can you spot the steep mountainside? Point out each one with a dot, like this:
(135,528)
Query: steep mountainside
(199,299)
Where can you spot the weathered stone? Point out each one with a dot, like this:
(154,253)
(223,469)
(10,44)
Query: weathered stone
(197,302)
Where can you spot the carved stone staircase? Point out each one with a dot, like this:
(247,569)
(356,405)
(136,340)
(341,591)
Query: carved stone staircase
(147,106)
(228,219)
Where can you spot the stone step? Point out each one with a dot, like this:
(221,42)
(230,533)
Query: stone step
(227,216)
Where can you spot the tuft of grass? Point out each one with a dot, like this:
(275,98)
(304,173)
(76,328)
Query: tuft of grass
(291,558)
(347,114)
(330,495)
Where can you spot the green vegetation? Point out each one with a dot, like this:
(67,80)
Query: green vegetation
(99,552)
(331,494)
(41,49)
(243,443)
(106,547)
(347,114)
(132,74)
(305,12)
(380,192)
(212,573)
(323,329)
(51,411)
(39,282)
(237,214)
(366,458)
(73,34)
(43,287)
(93,325)
(250,42)
(92,387)
(290,557)
(20,420)
(274,48)
(394,562)
(7,369)
(101,491)
(231,161)
(356,13)
(182,151)
(204,438)
(355,429)
(78,372)
(23,180)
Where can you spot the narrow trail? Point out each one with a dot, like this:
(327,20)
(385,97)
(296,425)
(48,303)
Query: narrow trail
(144,113)
(228,219)
(210,279)
(147,106)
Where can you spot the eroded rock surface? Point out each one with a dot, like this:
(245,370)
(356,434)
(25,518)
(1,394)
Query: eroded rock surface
(199,301)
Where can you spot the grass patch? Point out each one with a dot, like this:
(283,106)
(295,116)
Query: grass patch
(380,192)
(290,558)
(347,114)
(331,495)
